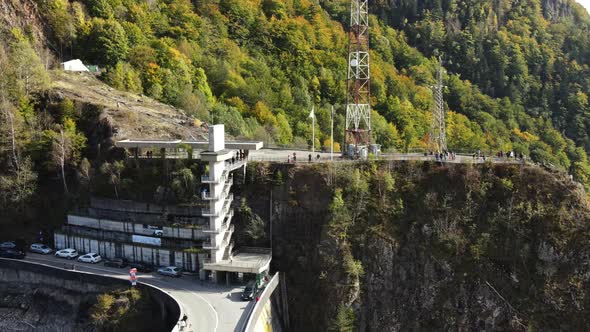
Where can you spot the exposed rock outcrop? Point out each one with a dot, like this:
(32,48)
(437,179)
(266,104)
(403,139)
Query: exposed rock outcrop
(447,248)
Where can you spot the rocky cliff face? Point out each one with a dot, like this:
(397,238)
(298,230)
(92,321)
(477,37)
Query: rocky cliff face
(453,247)
(24,14)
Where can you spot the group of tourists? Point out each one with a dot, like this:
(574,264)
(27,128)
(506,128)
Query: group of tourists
(293,159)
(511,155)
(443,156)
(479,155)
(239,155)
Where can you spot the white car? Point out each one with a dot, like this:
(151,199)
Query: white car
(7,245)
(67,253)
(40,248)
(90,258)
(170,271)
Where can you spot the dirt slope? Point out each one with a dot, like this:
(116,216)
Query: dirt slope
(131,115)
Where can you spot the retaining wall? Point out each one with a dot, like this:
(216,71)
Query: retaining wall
(261,318)
(130,227)
(38,274)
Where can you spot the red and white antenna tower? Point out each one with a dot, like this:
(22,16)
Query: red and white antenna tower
(358,94)
(438,136)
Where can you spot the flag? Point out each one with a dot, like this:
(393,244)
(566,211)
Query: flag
(312,114)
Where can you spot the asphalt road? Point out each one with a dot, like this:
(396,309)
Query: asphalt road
(208,306)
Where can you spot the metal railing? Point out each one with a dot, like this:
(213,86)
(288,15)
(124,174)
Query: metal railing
(206,195)
(258,307)
(460,158)
(218,230)
(209,246)
(229,216)
(231,166)
(208,179)
(224,242)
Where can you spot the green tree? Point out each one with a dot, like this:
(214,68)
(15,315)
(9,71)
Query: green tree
(18,186)
(255,228)
(284,134)
(345,320)
(113,173)
(26,69)
(184,184)
(124,77)
(100,8)
(107,42)
(61,21)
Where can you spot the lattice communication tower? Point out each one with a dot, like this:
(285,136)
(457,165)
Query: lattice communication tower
(358,96)
(438,137)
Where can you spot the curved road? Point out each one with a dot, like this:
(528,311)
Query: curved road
(209,307)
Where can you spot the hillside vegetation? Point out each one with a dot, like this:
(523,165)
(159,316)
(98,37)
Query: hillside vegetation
(402,246)
(517,73)
(517,78)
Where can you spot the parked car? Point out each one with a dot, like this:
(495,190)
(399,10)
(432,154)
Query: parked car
(12,253)
(67,253)
(158,232)
(142,267)
(248,293)
(8,245)
(170,271)
(90,257)
(116,262)
(40,248)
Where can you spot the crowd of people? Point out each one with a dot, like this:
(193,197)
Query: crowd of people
(443,156)
(239,155)
(293,158)
(511,155)
(478,155)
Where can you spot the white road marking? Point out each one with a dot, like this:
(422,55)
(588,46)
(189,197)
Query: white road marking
(151,279)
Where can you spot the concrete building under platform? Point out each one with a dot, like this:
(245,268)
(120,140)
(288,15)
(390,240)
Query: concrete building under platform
(197,238)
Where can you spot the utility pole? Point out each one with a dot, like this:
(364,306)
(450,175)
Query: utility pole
(358,82)
(438,138)
(332,134)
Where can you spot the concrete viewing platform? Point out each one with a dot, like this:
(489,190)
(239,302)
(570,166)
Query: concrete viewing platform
(247,260)
(223,158)
(196,145)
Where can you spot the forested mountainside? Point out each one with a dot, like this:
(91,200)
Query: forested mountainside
(516,74)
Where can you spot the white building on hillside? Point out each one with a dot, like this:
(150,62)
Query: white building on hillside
(74,65)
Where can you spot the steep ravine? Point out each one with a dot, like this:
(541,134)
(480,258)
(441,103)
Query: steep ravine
(456,247)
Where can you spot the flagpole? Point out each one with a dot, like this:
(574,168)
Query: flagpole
(312,129)
(332,134)
(313,134)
